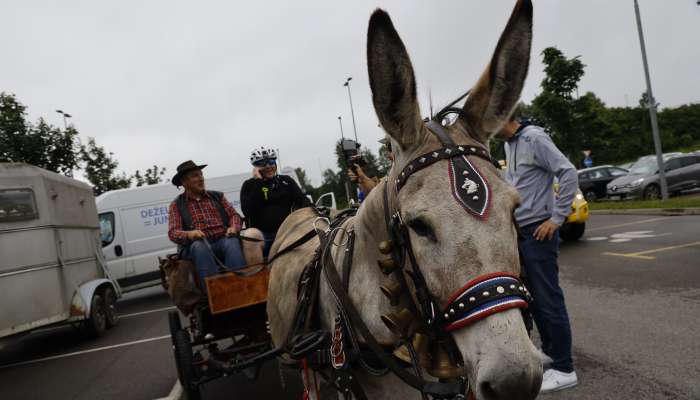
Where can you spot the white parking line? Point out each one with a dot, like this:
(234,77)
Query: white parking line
(644,221)
(77,353)
(175,393)
(148,312)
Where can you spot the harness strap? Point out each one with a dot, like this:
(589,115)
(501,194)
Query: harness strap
(440,389)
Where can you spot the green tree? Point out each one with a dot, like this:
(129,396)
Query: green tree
(152,176)
(43,145)
(13,128)
(304,182)
(100,169)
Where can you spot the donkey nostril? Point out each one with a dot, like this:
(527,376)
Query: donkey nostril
(487,391)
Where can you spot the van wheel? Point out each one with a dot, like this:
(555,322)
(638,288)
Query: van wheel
(110,307)
(96,324)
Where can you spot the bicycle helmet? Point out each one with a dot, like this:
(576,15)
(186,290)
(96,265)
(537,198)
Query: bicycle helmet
(262,154)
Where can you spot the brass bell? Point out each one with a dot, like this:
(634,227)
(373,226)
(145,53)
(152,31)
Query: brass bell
(442,367)
(386,246)
(393,291)
(398,323)
(420,345)
(388,265)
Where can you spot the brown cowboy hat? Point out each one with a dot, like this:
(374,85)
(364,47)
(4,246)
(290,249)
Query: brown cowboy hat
(184,168)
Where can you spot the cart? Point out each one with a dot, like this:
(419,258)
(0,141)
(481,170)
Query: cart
(227,331)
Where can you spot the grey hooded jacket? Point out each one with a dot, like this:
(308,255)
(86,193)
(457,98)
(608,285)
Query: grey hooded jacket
(533,161)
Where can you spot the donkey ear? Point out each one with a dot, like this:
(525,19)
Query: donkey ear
(496,93)
(392,81)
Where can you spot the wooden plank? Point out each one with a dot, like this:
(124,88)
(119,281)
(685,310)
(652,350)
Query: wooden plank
(229,291)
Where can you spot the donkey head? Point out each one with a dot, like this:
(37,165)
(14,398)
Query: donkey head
(453,246)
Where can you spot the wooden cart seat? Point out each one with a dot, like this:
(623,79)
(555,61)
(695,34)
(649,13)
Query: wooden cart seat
(230,291)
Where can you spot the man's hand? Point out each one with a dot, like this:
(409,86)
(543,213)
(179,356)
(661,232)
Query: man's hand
(545,231)
(195,235)
(232,231)
(357,175)
(256,173)
(352,176)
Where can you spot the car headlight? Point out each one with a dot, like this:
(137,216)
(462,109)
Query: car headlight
(637,182)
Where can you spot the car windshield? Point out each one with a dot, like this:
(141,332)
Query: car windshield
(646,166)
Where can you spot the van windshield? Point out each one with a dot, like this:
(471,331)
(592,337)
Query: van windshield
(17,205)
(106,228)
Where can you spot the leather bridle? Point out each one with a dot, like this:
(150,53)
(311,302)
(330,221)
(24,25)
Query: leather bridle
(480,297)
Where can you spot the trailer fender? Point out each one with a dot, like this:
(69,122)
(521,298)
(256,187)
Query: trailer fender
(82,298)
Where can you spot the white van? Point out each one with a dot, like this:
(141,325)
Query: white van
(134,226)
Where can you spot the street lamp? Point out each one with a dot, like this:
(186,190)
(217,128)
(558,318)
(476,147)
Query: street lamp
(65,115)
(342,140)
(652,108)
(352,112)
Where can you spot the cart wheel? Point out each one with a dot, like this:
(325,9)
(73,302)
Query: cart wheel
(183,362)
(96,324)
(174,323)
(110,307)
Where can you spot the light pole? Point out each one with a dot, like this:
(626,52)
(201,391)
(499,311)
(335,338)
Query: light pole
(652,108)
(342,139)
(352,112)
(65,115)
(340,121)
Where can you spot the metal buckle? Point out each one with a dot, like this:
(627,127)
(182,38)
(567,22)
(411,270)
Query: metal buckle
(324,219)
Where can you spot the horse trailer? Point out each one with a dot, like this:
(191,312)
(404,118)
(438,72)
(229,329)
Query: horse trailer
(51,266)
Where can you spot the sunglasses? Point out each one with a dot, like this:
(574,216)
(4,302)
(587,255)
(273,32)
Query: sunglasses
(263,163)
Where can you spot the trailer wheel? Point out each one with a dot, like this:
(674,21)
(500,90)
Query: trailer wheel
(96,324)
(110,307)
(184,363)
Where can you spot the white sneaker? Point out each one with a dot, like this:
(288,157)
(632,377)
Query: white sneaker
(554,380)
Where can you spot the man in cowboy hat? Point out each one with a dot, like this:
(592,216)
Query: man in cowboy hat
(203,223)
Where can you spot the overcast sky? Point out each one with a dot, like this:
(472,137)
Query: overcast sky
(166,81)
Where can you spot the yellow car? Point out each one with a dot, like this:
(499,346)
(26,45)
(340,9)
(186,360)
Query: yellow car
(575,223)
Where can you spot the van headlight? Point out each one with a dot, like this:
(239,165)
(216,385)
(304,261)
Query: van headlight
(637,182)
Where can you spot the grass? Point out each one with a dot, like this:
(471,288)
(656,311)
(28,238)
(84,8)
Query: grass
(674,202)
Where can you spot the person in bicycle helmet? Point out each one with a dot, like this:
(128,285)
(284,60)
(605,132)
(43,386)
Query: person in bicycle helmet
(268,198)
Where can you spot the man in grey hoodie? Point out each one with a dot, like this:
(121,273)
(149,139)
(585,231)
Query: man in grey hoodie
(533,161)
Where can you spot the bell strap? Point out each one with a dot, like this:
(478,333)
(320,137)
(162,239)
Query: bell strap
(438,389)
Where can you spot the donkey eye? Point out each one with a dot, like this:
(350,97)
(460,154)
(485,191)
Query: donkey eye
(421,228)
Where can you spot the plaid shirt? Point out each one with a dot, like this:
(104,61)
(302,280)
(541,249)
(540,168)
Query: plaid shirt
(205,217)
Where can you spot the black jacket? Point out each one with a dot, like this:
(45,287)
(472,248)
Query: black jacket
(266,203)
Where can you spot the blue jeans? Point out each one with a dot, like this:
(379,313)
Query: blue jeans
(539,262)
(269,238)
(228,250)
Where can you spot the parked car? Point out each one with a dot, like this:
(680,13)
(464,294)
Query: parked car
(682,173)
(626,165)
(593,181)
(575,224)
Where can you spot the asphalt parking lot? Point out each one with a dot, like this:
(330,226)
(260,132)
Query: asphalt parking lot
(633,291)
